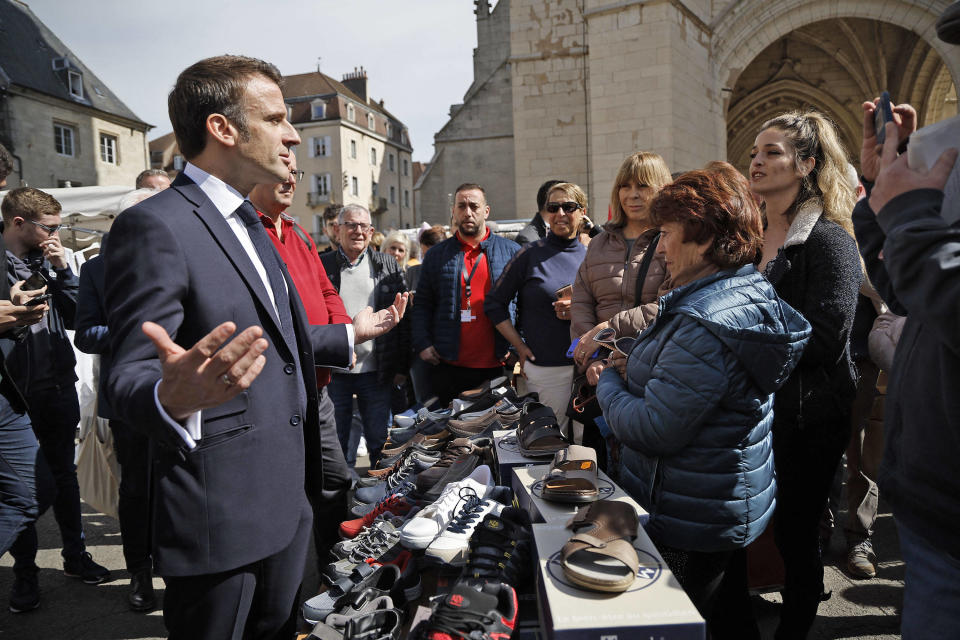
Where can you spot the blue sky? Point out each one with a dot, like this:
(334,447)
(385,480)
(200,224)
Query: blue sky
(418,55)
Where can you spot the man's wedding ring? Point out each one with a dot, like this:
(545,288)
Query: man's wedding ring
(226,380)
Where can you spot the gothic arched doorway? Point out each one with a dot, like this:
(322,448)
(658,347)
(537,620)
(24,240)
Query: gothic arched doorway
(832,65)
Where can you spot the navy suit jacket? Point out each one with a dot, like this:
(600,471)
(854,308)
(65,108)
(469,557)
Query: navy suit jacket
(92,335)
(239,496)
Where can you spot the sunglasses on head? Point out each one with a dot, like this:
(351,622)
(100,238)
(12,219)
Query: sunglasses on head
(568,207)
(608,338)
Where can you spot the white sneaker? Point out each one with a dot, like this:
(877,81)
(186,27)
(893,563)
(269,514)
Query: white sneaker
(453,544)
(421,530)
(362,447)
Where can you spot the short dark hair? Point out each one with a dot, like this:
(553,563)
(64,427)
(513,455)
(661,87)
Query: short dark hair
(432,236)
(718,205)
(146,173)
(331,212)
(213,85)
(544,191)
(6,163)
(470,186)
(29,204)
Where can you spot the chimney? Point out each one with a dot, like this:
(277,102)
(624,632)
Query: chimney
(356,81)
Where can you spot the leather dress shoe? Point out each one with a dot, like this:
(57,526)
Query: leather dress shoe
(141,597)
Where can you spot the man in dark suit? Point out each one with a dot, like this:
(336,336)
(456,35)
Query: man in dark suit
(233,423)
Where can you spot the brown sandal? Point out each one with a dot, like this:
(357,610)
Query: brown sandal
(600,555)
(572,476)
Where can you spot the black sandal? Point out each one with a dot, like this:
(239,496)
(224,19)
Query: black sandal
(538,433)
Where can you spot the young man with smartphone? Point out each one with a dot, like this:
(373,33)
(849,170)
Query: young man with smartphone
(43,366)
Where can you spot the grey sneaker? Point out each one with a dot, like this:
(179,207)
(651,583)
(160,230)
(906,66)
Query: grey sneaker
(384,523)
(862,561)
(382,542)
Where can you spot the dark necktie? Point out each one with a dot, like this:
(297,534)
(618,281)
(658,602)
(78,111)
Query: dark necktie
(274,268)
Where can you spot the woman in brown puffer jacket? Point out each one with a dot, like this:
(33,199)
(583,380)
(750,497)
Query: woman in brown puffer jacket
(604,293)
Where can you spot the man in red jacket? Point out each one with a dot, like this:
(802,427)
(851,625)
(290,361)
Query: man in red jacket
(323,306)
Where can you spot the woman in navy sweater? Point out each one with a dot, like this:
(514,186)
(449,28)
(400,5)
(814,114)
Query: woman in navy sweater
(534,276)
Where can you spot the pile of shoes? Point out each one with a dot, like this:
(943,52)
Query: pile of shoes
(431,501)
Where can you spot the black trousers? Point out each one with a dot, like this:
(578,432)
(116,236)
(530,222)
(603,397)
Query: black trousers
(133,454)
(330,508)
(806,461)
(449,381)
(257,601)
(716,583)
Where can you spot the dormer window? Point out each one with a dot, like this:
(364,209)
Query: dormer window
(389,130)
(351,113)
(318,110)
(75,84)
(371,122)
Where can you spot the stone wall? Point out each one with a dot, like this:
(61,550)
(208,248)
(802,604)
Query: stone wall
(549,100)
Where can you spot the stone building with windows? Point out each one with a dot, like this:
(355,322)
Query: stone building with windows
(62,124)
(353,151)
(568,88)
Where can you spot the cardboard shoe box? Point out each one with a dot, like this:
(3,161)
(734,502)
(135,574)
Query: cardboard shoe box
(527,483)
(508,454)
(655,606)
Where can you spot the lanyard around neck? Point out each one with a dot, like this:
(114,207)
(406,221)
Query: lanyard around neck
(468,278)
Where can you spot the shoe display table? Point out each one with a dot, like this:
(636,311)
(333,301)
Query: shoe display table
(496,574)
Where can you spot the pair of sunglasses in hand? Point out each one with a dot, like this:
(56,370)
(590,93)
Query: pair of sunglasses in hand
(608,338)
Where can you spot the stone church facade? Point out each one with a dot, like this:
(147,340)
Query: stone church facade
(568,88)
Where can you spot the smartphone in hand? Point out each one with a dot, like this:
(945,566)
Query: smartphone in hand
(32,302)
(564,293)
(881,116)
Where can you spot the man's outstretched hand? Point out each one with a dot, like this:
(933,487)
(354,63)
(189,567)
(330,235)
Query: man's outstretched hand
(369,324)
(206,375)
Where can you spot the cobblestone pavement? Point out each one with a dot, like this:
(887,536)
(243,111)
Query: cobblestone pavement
(861,609)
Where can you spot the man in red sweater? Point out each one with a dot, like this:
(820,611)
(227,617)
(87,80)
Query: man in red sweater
(323,306)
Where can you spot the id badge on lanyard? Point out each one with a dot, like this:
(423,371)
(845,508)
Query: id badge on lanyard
(466,315)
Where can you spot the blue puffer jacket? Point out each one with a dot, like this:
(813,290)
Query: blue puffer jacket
(436,306)
(694,416)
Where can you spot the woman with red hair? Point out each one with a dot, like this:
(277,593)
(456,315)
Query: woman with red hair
(694,410)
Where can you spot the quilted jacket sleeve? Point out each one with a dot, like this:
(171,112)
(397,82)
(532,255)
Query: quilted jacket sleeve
(673,395)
